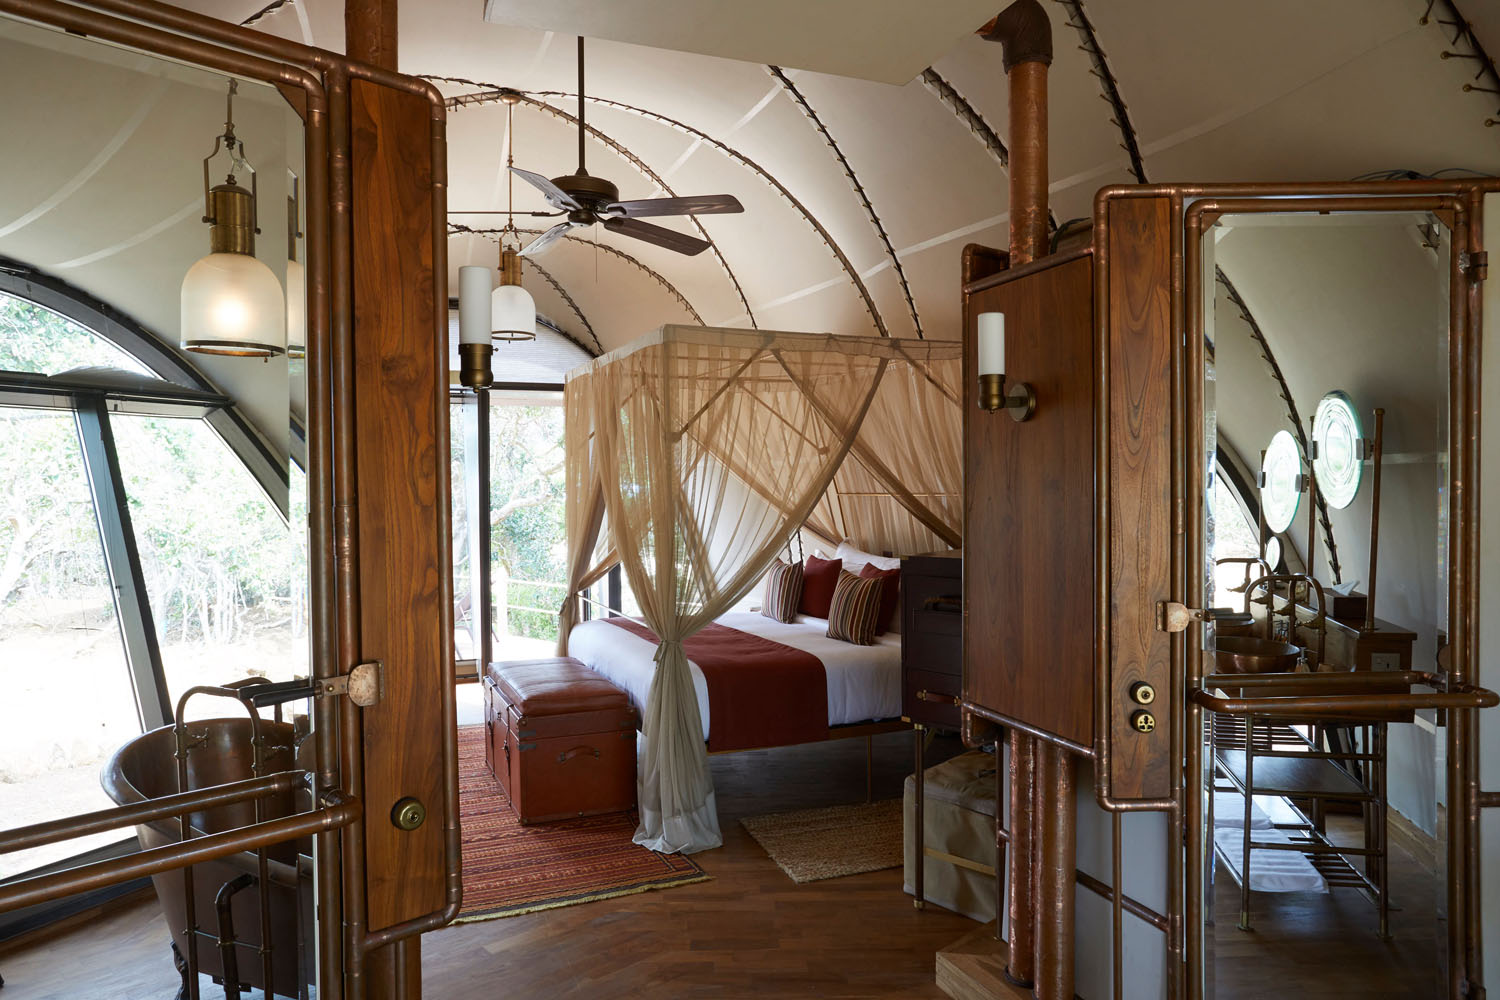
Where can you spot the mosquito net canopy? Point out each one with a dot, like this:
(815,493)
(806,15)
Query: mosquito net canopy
(693,456)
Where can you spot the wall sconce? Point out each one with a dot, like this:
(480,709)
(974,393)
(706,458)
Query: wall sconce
(231,302)
(474,322)
(514,311)
(1019,400)
(296,275)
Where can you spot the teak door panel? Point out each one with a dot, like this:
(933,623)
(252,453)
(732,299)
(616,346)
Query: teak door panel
(401,449)
(1029,595)
(1142,536)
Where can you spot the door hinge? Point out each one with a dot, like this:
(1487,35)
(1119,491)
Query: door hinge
(364,684)
(1174,617)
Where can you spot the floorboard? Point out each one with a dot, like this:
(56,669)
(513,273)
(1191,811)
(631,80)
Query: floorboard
(752,932)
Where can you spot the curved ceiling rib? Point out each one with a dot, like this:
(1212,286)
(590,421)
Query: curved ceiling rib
(619,148)
(1078,21)
(859,189)
(454,227)
(560,290)
(949,96)
(780,188)
(1463,32)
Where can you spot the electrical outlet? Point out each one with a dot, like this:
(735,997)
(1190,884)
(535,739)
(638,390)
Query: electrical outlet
(1385,661)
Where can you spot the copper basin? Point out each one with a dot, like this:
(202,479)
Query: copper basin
(1245,654)
(146,768)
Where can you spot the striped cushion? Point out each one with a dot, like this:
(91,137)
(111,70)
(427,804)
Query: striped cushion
(783,591)
(854,613)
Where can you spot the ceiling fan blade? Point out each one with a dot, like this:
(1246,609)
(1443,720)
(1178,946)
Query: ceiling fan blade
(545,240)
(703,204)
(556,196)
(662,237)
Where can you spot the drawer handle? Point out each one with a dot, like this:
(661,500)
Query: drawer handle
(945,699)
(568,755)
(951,603)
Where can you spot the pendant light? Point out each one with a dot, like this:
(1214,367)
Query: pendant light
(514,311)
(231,302)
(512,307)
(296,277)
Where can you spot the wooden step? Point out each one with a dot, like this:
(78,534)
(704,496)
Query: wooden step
(973,968)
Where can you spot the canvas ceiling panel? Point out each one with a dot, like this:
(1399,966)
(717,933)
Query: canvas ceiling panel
(1181,63)
(1081,140)
(1341,126)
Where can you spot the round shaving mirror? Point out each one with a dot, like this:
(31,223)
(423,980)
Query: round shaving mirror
(1281,481)
(1336,436)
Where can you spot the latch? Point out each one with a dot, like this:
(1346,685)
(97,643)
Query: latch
(362,684)
(1174,617)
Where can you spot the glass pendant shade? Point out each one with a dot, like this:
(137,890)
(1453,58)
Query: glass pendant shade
(514,313)
(232,304)
(296,310)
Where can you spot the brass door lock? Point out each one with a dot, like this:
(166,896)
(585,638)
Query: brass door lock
(408,814)
(1142,693)
(1143,722)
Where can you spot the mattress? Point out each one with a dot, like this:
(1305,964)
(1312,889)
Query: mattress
(864,682)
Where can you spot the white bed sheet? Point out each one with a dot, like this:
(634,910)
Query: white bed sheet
(864,682)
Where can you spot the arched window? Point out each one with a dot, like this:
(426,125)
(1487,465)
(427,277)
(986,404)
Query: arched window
(144,548)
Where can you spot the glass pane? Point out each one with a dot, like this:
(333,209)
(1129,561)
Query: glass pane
(463,602)
(529,546)
(68,700)
(225,576)
(36,339)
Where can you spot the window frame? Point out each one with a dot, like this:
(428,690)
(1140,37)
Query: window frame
(186,392)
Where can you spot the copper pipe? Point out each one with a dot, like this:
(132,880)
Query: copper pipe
(1002,719)
(1352,679)
(1302,706)
(1116,904)
(1130,905)
(40,834)
(1020,904)
(1056,851)
(44,888)
(1193,857)
(1378,450)
(1487,800)
(1028,162)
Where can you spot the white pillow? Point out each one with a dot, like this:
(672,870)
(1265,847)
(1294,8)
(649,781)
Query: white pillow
(856,559)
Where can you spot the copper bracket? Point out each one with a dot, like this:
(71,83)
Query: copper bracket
(364,684)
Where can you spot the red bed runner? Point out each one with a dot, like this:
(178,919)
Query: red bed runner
(761,693)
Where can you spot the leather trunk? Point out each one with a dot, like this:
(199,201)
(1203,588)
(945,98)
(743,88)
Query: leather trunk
(560,739)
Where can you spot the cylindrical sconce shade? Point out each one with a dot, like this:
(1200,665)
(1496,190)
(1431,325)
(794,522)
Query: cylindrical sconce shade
(474,321)
(232,304)
(296,309)
(991,343)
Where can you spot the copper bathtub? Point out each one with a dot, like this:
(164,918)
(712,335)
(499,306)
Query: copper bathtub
(221,751)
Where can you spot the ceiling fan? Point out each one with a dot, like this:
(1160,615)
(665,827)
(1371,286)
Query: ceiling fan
(588,200)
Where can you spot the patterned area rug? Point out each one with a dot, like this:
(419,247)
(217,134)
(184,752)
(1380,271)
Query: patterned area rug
(510,869)
(814,844)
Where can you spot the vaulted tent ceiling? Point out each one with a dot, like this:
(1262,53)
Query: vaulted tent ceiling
(1274,90)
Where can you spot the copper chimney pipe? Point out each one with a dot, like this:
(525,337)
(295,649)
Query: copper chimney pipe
(1025,35)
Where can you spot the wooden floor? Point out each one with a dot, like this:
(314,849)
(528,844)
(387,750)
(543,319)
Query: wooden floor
(1311,945)
(751,932)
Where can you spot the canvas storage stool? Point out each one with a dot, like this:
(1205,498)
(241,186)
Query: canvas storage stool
(559,738)
(960,819)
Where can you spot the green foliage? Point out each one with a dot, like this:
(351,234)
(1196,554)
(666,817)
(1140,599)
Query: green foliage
(33,339)
(528,535)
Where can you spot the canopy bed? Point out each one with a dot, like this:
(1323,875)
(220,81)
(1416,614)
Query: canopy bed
(693,457)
